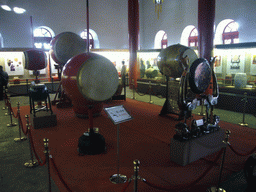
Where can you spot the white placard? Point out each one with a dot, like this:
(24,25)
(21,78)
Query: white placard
(118,114)
(199,122)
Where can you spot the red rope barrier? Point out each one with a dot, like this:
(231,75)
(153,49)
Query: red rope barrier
(21,125)
(240,154)
(33,148)
(57,171)
(179,187)
(126,185)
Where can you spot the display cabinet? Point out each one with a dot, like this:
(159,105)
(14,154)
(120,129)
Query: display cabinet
(147,66)
(13,62)
(116,56)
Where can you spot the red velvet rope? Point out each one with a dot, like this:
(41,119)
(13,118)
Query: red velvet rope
(126,185)
(179,187)
(240,154)
(58,173)
(161,97)
(33,148)
(9,105)
(21,125)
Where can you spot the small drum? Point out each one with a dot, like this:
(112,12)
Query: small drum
(66,45)
(35,59)
(199,75)
(89,79)
(174,59)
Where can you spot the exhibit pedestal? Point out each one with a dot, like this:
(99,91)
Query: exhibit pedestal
(189,151)
(43,119)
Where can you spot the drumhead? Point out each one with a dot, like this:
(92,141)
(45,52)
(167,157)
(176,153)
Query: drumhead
(35,59)
(97,78)
(170,60)
(65,46)
(199,75)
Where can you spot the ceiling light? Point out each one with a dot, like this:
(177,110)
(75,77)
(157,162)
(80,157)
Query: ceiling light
(19,10)
(6,7)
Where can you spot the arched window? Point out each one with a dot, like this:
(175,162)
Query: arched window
(160,40)
(164,41)
(43,37)
(230,33)
(193,38)
(84,36)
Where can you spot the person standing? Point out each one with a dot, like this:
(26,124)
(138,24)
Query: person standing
(123,73)
(3,81)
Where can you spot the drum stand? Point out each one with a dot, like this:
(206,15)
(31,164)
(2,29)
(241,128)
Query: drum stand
(64,101)
(167,108)
(118,178)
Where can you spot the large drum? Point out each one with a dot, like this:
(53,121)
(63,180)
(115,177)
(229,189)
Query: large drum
(35,59)
(199,75)
(66,45)
(174,59)
(89,79)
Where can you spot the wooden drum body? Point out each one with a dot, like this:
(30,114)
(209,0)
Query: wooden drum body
(35,59)
(65,46)
(89,79)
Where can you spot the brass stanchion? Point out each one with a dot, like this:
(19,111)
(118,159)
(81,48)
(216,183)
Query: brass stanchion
(245,103)
(5,92)
(150,87)
(11,113)
(136,176)
(31,163)
(20,138)
(46,152)
(133,88)
(6,114)
(118,178)
(218,189)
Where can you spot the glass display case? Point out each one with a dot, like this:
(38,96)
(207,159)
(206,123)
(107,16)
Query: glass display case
(13,62)
(116,56)
(147,66)
(235,65)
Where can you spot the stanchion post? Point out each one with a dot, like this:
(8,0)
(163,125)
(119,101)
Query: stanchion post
(118,178)
(218,189)
(245,100)
(11,113)
(150,90)
(133,89)
(31,163)
(20,138)
(8,101)
(46,152)
(4,94)
(136,164)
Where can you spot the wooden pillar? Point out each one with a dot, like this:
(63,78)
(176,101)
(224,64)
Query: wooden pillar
(133,28)
(206,18)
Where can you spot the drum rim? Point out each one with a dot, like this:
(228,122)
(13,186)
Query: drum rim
(54,47)
(91,57)
(193,67)
(27,58)
(179,51)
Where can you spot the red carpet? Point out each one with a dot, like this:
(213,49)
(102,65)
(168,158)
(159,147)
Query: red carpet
(146,138)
